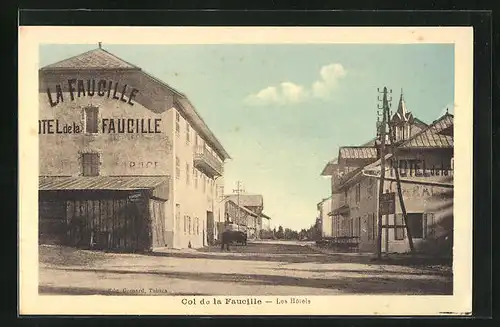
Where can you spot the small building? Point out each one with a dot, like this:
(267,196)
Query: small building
(324,208)
(424,156)
(250,212)
(124,157)
(242,218)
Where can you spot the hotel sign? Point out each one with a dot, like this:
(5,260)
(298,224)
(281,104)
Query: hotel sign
(387,204)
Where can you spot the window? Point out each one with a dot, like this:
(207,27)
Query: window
(415,222)
(358,193)
(204,183)
(189,225)
(371,227)
(177,168)
(399,232)
(188,169)
(90,164)
(403,167)
(188,133)
(185,224)
(429,225)
(197,226)
(91,119)
(195,172)
(178,217)
(177,123)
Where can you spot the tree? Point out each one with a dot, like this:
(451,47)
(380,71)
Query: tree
(280,234)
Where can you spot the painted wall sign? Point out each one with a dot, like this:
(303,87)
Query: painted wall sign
(418,168)
(91,87)
(388,203)
(53,126)
(109,126)
(143,164)
(138,126)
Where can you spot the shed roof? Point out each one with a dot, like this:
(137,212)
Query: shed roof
(263,215)
(329,168)
(243,208)
(247,200)
(112,183)
(357,152)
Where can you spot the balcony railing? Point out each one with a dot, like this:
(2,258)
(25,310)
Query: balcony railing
(207,162)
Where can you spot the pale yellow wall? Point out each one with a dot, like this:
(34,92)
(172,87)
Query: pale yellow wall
(194,201)
(326,220)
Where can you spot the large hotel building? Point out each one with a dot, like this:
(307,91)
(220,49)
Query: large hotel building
(125,161)
(423,154)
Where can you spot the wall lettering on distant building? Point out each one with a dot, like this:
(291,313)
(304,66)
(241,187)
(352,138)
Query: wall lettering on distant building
(91,87)
(143,164)
(53,126)
(418,168)
(418,191)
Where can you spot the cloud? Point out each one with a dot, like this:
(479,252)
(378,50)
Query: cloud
(292,93)
(330,76)
(285,93)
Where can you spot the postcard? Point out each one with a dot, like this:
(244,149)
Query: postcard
(245,170)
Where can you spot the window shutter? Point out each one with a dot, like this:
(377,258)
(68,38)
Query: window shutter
(429,226)
(426,226)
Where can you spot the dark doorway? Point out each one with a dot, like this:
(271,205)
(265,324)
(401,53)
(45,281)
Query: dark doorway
(210,228)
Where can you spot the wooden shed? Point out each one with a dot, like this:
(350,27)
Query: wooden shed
(124,213)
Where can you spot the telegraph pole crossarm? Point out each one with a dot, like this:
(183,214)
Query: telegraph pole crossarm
(238,190)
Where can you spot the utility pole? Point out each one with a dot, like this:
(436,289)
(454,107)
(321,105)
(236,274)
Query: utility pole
(238,190)
(381,128)
(398,184)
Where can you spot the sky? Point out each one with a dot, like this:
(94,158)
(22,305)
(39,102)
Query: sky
(282,111)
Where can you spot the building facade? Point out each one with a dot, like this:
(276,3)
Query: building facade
(324,209)
(108,131)
(249,217)
(424,158)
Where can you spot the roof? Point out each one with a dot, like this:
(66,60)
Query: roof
(402,114)
(117,183)
(354,152)
(431,137)
(93,59)
(247,200)
(329,168)
(194,116)
(263,215)
(243,208)
(417,121)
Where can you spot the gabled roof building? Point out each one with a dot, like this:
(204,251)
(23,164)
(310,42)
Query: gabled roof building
(128,156)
